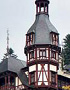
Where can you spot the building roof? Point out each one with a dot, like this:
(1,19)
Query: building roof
(42,28)
(63,73)
(13,64)
(67,67)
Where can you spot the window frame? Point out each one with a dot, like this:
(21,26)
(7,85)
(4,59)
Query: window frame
(53,54)
(43,52)
(55,39)
(32,77)
(29,39)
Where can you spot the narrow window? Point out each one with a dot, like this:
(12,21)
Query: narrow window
(46,9)
(53,55)
(29,39)
(54,39)
(42,9)
(32,76)
(57,56)
(42,53)
(28,56)
(31,54)
(38,9)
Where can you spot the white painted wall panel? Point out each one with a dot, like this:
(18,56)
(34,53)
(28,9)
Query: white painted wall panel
(26,73)
(39,83)
(46,83)
(45,76)
(32,68)
(53,68)
(39,76)
(20,82)
(16,81)
(39,67)
(46,66)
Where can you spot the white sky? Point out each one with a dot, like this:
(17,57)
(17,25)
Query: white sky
(18,16)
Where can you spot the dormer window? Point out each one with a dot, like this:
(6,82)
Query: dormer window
(29,39)
(54,39)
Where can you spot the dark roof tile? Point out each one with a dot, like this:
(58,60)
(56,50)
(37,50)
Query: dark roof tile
(42,28)
(14,65)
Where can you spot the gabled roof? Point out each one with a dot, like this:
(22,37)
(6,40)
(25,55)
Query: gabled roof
(42,28)
(15,65)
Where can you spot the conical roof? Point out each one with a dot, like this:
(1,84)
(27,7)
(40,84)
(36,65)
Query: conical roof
(42,28)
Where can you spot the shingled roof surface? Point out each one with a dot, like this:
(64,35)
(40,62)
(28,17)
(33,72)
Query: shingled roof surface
(42,28)
(15,65)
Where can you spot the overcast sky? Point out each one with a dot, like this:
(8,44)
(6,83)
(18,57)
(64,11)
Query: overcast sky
(18,16)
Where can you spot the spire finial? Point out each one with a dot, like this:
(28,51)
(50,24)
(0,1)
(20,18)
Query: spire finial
(7,40)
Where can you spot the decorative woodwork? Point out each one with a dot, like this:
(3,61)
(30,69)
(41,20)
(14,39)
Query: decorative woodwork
(55,39)
(42,59)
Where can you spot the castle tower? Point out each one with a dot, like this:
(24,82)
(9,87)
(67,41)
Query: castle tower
(42,50)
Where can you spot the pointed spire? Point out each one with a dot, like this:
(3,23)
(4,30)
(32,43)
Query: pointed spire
(7,41)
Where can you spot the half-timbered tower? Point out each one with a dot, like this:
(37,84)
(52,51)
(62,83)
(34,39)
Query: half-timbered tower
(42,50)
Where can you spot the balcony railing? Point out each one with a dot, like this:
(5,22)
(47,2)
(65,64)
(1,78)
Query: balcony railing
(20,87)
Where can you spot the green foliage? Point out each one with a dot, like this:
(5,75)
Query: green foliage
(11,51)
(66,50)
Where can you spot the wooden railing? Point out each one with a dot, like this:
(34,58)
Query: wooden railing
(20,87)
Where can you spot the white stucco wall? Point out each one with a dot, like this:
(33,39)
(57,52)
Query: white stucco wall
(32,68)
(53,68)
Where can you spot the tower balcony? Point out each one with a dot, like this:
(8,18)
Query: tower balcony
(36,61)
(42,54)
